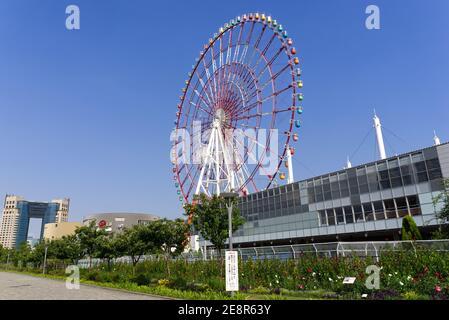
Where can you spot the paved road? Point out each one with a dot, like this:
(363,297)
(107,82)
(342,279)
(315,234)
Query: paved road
(24,287)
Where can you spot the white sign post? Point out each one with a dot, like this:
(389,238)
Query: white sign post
(232,271)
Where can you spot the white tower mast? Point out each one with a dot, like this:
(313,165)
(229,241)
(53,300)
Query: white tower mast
(436,140)
(290,166)
(348,164)
(379,137)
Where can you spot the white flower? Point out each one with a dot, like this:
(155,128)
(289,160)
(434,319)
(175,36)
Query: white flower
(409,278)
(390,275)
(277,281)
(400,282)
(330,279)
(395,273)
(313,274)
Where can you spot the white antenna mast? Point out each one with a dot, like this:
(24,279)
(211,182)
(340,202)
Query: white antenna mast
(436,140)
(348,163)
(379,137)
(290,166)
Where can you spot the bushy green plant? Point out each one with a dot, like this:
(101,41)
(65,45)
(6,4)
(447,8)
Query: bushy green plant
(141,279)
(409,229)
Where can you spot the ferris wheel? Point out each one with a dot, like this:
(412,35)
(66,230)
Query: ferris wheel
(246,80)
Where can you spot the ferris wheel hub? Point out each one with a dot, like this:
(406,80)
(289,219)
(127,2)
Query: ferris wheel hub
(220,117)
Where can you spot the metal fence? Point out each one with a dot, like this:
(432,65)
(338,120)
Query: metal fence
(372,249)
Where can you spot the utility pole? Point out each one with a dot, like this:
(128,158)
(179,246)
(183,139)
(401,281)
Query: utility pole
(229,197)
(45,260)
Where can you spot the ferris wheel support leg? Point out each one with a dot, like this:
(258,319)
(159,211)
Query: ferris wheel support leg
(290,166)
(227,161)
(217,161)
(206,163)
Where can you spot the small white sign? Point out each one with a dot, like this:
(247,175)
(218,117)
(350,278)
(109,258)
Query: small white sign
(232,271)
(349,280)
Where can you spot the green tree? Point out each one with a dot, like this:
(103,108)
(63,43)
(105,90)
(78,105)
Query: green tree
(74,251)
(87,236)
(7,256)
(23,255)
(210,218)
(38,253)
(442,201)
(170,237)
(107,248)
(409,229)
(135,242)
(3,254)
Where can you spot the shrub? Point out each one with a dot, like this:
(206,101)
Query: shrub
(141,279)
(178,283)
(163,282)
(384,294)
(260,290)
(197,287)
(91,275)
(411,295)
(409,229)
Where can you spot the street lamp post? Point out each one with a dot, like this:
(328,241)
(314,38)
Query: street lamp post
(230,196)
(45,260)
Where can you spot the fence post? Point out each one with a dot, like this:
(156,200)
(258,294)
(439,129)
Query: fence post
(375,251)
(414,248)
(293,251)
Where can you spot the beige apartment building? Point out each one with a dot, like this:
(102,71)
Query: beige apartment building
(55,231)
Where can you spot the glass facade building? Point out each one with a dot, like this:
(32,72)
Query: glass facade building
(40,210)
(17,213)
(366,202)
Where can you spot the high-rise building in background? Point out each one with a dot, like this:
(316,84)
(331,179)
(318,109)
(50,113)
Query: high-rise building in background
(17,213)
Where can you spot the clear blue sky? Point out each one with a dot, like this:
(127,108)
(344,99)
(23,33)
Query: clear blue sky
(87,114)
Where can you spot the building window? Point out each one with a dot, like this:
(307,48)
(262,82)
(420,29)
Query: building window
(379,210)
(323,218)
(330,217)
(339,215)
(413,203)
(390,209)
(368,209)
(348,214)
(401,204)
(358,213)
